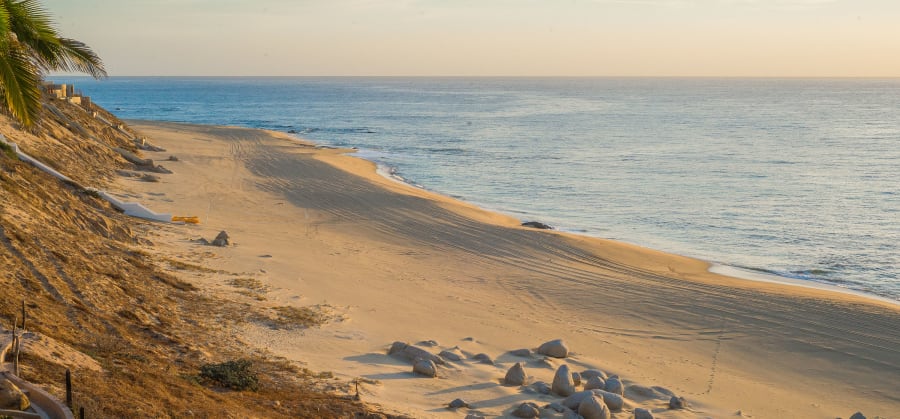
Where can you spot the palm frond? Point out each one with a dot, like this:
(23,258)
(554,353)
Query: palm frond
(20,80)
(76,56)
(4,23)
(30,47)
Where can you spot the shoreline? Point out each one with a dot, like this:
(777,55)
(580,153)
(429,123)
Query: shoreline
(395,262)
(719,268)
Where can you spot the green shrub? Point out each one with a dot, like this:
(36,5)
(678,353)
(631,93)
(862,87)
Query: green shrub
(9,152)
(235,375)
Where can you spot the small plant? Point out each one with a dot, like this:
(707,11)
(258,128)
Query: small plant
(288,317)
(235,375)
(9,152)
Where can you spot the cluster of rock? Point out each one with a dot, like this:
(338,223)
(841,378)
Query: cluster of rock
(599,397)
(589,394)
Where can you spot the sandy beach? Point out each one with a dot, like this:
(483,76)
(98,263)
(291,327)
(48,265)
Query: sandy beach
(389,262)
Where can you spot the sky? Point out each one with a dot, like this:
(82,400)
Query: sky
(633,38)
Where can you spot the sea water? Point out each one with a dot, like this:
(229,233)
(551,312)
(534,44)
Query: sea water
(797,177)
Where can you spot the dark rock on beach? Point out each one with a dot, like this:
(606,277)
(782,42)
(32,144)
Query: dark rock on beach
(677,403)
(221,240)
(537,224)
(457,403)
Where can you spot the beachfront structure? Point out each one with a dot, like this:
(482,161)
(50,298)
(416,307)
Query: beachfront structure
(67,92)
(60,91)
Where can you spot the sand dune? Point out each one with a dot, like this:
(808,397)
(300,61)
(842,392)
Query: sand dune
(397,263)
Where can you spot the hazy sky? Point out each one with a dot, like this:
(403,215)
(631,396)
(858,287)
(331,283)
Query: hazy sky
(489,37)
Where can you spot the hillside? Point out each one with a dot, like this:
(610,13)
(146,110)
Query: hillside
(134,335)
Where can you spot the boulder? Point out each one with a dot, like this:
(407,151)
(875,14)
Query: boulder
(563,385)
(555,348)
(614,385)
(412,353)
(592,407)
(527,410)
(524,353)
(453,354)
(221,240)
(613,401)
(641,413)
(457,403)
(677,403)
(516,376)
(575,399)
(587,374)
(594,383)
(484,359)
(425,367)
(11,397)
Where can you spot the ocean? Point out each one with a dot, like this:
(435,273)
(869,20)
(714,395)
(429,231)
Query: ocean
(795,178)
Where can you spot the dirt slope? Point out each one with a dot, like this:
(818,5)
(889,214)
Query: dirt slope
(79,266)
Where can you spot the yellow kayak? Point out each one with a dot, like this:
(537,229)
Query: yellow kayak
(189,220)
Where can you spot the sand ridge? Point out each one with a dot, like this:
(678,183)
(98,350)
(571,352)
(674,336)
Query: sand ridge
(399,263)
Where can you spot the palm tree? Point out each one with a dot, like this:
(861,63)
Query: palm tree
(30,47)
